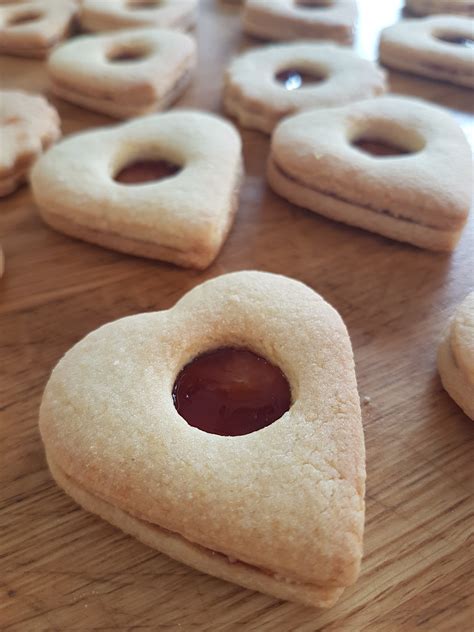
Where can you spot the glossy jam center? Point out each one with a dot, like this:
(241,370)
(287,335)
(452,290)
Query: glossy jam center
(231,392)
(458,40)
(143,171)
(379,148)
(293,78)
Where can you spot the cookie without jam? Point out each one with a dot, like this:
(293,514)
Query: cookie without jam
(280,510)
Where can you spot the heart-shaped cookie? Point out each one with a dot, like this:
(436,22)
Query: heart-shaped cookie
(279,510)
(395,166)
(32,29)
(84,186)
(124,74)
(439,47)
(113,15)
(267,83)
(301,19)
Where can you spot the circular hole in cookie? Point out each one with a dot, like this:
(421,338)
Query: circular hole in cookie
(143,171)
(295,78)
(456,39)
(127,53)
(231,392)
(24,17)
(379,147)
(143,4)
(313,4)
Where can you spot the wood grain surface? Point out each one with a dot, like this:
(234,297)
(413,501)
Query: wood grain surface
(63,569)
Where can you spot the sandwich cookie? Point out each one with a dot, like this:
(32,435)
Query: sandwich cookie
(163,186)
(266,84)
(429,7)
(394,166)
(113,15)
(32,29)
(28,125)
(258,477)
(306,19)
(439,47)
(124,74)
(456,357)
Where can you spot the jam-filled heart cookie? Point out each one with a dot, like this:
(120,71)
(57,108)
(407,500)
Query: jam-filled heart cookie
(429,7)
(163,186)
(32,29)
(112,15)
(301,19)
(124,74)
(28,125)
(439,47)
(266,84)
(392,165)
(225,432)
(456,357)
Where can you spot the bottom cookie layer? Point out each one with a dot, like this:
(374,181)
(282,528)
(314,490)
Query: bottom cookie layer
(118,110)
(378,222)
(454,382)
(428,70)
(198,557)
(194,255)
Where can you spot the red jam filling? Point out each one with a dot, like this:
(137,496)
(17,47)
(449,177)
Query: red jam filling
(231,392)
(292,78)
(378,148)
(143,171)
(458,40)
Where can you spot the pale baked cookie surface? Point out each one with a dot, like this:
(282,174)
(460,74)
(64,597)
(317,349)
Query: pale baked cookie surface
(112,15)
(124,74)
(28,125)
(421,197)
(428,7)
(32,29)
(280,510)
(255,96)
(436,47)
(289,20)
(456,356)
(183,219)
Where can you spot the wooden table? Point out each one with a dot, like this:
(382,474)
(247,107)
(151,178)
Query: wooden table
(63,569)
